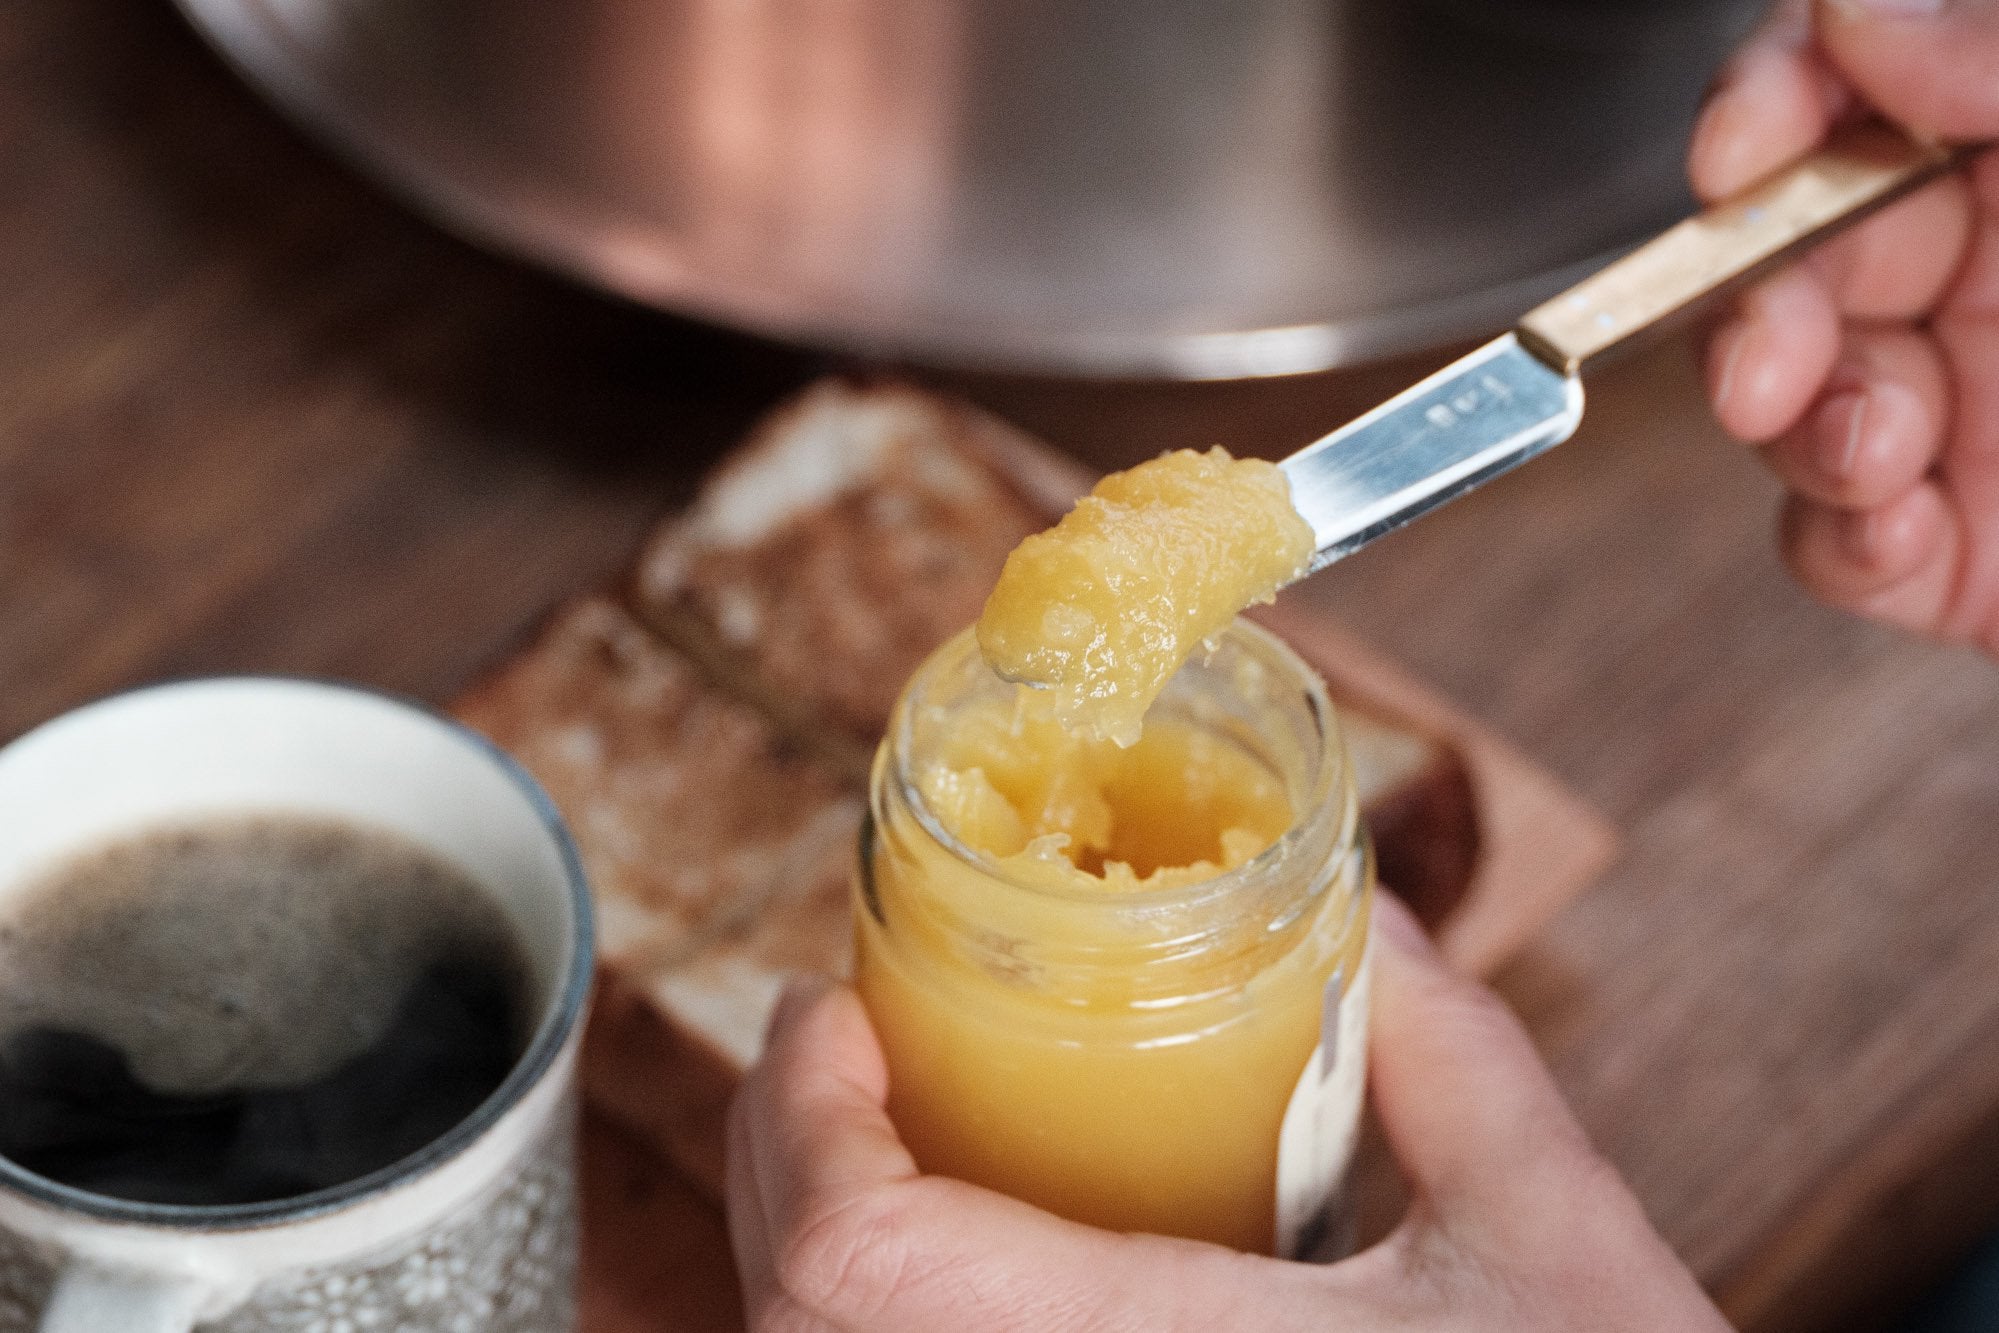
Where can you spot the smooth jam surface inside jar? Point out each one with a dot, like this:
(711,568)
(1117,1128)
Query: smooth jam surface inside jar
(1099,973)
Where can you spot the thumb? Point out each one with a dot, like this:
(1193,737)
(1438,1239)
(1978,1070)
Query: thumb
(834,1228)
(1502,1174)
(1469,1109)
(1929,65)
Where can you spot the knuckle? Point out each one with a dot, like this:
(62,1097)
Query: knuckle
(852,1260)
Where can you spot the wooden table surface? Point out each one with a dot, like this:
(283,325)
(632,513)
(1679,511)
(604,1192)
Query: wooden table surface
(253,416)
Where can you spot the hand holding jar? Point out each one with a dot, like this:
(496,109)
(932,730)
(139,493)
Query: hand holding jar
(1517,1223)
(1869,372)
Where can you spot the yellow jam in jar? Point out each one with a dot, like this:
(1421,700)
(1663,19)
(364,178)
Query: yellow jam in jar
(1053,808)
(1126,984)
(1106,605)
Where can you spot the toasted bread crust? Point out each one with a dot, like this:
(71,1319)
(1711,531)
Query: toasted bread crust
(854,532)
(689,808)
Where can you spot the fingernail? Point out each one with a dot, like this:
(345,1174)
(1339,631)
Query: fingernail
(1399,927)
(1842,427)
(1714,143)
(1727,345)
(1889,9)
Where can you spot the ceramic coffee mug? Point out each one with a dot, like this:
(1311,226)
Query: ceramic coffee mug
(476,1231)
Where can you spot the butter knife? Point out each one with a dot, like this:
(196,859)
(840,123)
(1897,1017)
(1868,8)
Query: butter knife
(1521,394)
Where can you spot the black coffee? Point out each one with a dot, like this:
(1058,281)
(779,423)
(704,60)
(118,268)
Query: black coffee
(249,1009)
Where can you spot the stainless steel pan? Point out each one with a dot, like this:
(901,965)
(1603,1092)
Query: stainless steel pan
(1196,188)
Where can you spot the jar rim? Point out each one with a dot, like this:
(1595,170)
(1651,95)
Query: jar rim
(1326,780)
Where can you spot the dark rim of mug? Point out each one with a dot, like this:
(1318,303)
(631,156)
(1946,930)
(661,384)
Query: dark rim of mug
(551,1035)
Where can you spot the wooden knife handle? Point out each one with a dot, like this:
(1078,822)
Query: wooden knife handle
(1860,169)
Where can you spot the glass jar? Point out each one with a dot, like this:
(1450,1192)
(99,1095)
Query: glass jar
(1187,1060)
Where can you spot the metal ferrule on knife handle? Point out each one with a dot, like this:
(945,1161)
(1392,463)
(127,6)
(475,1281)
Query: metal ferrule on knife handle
(1860,169)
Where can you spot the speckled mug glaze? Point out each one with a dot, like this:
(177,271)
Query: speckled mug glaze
(477,1231)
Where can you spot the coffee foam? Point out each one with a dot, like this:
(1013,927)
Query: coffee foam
(241,952)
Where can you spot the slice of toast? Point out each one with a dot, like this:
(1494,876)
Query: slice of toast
(705,727)
(691,811)
(856,529)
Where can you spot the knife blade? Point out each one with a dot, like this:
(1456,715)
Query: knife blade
(1476,418)
(1521,394)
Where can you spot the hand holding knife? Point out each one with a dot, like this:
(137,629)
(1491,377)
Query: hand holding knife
(1521,394)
